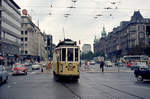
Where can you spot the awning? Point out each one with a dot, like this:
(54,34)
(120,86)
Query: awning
(2,58)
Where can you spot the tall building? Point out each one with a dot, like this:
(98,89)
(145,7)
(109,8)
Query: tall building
(86,48)
(49,45)
(99,44)
(10,28)
(32,40)
(131,37)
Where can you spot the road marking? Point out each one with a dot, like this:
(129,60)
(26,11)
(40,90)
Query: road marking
(74,93)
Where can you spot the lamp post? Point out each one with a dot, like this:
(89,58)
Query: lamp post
(118,48)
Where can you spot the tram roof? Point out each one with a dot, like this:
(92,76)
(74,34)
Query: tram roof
(67,42)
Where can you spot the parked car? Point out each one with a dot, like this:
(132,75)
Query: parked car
(130,64)
(36,67)
(92,62)
(136,65)
(142,73)
(108,64)
(19,69)
(3,74)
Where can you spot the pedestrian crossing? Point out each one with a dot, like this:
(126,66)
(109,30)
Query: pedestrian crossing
(98,70)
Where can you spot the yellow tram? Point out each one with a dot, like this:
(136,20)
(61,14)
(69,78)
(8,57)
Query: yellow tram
(66,60)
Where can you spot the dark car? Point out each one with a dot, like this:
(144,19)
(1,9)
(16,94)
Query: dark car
(142,73)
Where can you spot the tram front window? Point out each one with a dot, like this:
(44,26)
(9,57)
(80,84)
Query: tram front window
(70,54)
(63,54)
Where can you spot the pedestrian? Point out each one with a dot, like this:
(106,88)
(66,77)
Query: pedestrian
(86,65)
(102,65)
(41,67)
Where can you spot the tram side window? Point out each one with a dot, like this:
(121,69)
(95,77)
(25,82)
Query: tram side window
(63,54)
(60,55)
(70,54)
(76,54)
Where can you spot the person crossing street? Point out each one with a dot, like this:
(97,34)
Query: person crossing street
(102,66)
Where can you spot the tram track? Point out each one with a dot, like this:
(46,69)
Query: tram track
(115,89)
(125,92)
(72,91)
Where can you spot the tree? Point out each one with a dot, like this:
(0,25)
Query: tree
(87,56)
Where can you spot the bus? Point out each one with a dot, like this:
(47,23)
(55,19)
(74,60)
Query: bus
(136,58)
(66,60)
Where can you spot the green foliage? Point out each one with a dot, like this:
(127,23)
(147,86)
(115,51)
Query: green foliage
(90,55)
(87,56)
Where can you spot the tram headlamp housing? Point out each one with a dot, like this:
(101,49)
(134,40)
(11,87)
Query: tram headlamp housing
(70,65)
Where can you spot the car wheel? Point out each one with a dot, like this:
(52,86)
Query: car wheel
(6,79)
(139,78)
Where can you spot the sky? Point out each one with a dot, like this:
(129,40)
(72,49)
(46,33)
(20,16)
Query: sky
(82,22)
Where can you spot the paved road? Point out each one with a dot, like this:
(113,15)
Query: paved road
(92,85)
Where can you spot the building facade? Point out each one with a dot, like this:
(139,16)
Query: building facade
(86,48)
(32,40)
(49,45)
(10,28)
(130,38)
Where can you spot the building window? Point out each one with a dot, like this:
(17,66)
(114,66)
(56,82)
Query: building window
(26,52)
(22,51)
(21,45)
(26,44)
(0,2)
(148,30)
(21,39)
(26,39)
(22,32)
(26,32)
(0,13)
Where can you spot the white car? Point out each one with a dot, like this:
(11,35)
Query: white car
(108,64)
(36,67)
(92,62)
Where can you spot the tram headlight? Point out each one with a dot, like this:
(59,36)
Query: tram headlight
(70,64)
(61,68)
